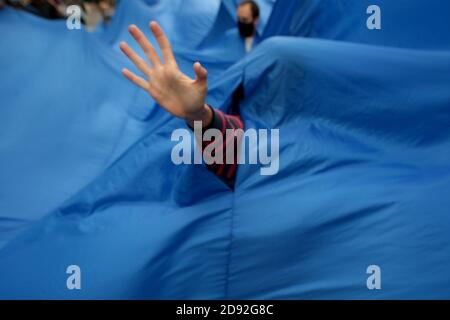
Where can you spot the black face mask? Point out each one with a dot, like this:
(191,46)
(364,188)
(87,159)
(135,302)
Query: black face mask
(246,29)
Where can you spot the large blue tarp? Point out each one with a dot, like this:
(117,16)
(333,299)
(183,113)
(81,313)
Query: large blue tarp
(415,24)
(86,176)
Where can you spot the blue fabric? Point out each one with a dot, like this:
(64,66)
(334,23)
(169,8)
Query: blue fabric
(170,14)
(86,175)
(415,24)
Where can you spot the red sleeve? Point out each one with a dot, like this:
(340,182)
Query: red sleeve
(221,121)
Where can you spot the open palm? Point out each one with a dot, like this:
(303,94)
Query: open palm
(180,95)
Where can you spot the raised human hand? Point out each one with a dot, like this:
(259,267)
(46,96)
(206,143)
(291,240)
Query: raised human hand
(177,93)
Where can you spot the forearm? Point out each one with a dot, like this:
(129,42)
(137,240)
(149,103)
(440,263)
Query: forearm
(204,115)
(225,170)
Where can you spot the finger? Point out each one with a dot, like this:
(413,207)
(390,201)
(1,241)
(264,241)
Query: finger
(145,45)
(163,43)
(135,58)
(201,73)
(135,79)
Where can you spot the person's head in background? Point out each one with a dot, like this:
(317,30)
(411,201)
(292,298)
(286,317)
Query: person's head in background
(248,18)
(107,9)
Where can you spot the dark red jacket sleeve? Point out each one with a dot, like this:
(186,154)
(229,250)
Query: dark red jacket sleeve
(221,121)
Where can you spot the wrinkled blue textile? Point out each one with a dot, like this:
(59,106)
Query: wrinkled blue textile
(415,24)
(86,176)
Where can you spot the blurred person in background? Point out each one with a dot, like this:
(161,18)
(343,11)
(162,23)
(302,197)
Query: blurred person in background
(248,19)
(107,8)
(94,12)
(59,6)
(92,15)
(43,8)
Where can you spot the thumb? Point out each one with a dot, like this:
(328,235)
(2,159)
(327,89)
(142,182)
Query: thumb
(201,74)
